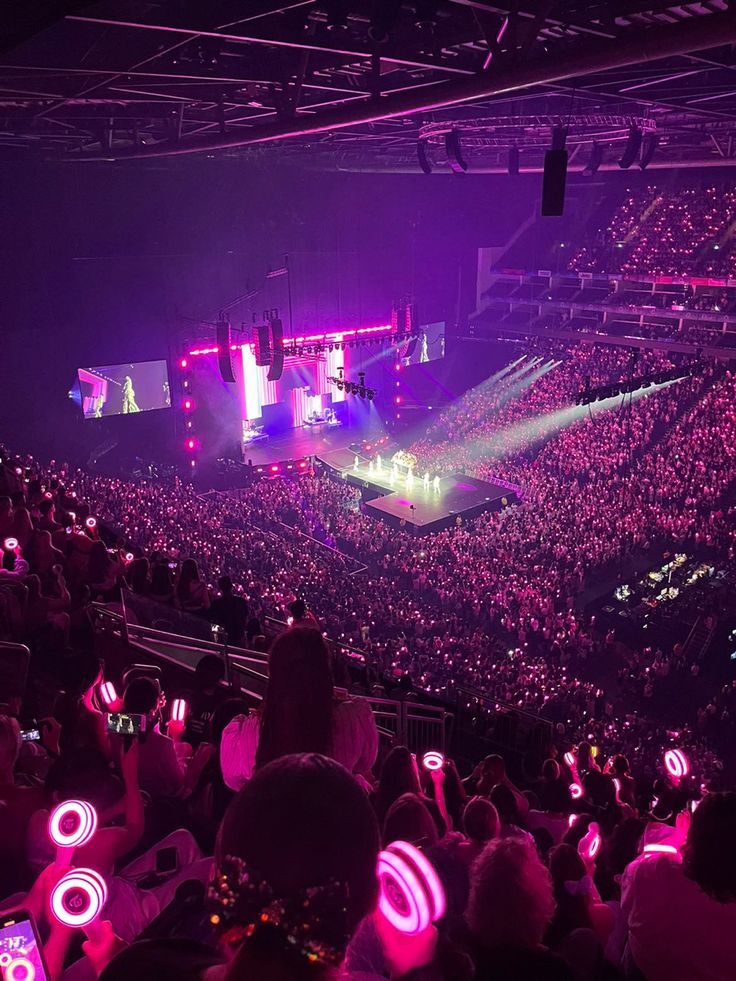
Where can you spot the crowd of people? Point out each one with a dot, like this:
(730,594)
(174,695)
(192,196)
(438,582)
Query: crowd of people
(673,232)
(231,818)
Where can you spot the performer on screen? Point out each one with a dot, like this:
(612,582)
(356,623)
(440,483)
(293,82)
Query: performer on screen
(424,356)
(129,402)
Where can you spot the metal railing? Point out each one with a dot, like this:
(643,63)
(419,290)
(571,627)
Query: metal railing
(502,724)
(412,724)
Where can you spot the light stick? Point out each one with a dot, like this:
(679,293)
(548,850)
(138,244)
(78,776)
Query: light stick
(78,899)
(20,969)
(576,791)
(10,544)
(412,895)
(433,760)
(179,710)
(71,825)
(91,523)
(590,844)
(108,693)
(676,764)
(659,850)
(572,819)
(569,758)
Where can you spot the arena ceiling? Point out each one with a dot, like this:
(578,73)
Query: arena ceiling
(360,84)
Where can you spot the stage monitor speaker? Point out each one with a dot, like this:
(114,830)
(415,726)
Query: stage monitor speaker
(277,350)
(262,341)
(553,183)
(224,355)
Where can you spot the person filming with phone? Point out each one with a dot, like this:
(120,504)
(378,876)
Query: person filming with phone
(161,768)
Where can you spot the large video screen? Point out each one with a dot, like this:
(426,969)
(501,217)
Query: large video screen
(430,346)
(124,389)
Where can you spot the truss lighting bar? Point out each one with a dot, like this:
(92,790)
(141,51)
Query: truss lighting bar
(329,338)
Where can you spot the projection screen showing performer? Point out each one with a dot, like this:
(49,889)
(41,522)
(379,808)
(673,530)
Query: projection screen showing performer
(124,389)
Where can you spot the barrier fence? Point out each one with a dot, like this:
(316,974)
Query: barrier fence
(407,723)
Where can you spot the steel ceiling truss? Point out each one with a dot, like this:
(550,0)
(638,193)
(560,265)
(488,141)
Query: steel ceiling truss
(358,82)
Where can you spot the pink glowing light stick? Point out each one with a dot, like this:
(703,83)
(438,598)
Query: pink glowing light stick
(659,850)
(676,764)
(590,844)
(179,710)
(12,968)
(433,760)
(91,523)
(10,544)
(71,825)
(78,899)
(412,896)
(576,791)
(569,758)
(572,819)
(108,693)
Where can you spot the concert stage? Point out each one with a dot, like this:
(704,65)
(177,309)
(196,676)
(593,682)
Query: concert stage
(424,510)
(296,443)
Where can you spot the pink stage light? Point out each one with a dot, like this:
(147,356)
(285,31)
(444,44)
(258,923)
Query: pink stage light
(188,405)
(72,824)
(183,363)
(433,760)
(576,791)
(325,338)
(274,468)
(303,464)
(108,693)
(78,898)
(10,544)
(91,523)
(191,444)
(412,896)
(676,763)
(179,710)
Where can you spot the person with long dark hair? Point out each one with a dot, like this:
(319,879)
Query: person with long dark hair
(295,876)
(300,714)
(192,595)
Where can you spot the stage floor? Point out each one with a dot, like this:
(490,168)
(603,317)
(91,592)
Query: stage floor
(420,509)
(296,443)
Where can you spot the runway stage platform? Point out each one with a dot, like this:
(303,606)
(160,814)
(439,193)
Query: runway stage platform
(420,509)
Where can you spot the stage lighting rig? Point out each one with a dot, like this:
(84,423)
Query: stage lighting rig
(352,388)
(604,392)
